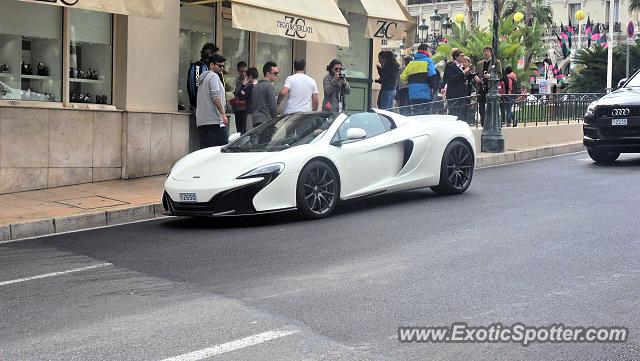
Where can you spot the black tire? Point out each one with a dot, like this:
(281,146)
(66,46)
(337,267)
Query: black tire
(602,157)
(318,190)
(456,169)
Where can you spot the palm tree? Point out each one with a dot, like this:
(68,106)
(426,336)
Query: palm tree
(533,9)
(592,78)
(470,12)
(634,5)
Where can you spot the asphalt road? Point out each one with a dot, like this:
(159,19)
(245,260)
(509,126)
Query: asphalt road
(542,242)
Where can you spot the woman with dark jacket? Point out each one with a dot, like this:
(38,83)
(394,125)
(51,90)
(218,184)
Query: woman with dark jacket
(455,78)
(335,88)
(389,71)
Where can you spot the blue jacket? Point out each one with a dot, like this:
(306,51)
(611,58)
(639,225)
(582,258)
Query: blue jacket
(416,74)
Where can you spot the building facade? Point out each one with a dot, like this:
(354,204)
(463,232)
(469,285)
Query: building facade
(563,11)
(94,90)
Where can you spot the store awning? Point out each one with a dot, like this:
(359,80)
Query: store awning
(386,19)
(309,20)
(143,8)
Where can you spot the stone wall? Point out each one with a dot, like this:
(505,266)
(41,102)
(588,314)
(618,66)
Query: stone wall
(44,148)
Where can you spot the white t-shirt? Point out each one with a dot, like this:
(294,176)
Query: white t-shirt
(301,87)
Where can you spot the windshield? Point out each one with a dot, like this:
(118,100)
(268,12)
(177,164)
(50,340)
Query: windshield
(282,133)
(633,82)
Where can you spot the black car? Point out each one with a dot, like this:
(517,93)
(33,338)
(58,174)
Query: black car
(612,123)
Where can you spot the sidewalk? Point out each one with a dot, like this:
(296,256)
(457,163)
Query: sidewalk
(63,209)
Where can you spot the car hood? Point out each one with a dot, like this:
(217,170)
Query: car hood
(212,165)
(623,96)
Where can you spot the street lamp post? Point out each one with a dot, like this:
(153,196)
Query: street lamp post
(436,28)
(423,29)
(492,140)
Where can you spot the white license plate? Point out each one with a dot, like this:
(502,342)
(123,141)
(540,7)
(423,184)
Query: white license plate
(618,122)
(188,197)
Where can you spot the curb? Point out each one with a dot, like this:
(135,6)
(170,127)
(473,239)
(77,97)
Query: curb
(45,227)
(524,155)
(52,226)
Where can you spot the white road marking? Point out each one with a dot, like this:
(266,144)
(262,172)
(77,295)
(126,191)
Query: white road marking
(233,345)
(53,274)
(281,294)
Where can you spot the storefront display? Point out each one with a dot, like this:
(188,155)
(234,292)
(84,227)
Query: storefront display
(235,45)
(197,27)
(91,54)
(357,62)
(30,47)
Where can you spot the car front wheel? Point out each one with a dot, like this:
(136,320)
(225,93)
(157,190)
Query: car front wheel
(456,169)
(602,157)
(317,190)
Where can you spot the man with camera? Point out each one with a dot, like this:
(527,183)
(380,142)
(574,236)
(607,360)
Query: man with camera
(336,87)
(484,68)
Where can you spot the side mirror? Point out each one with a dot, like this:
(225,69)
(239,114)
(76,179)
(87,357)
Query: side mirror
(233,137)
(356,133)
(621,82)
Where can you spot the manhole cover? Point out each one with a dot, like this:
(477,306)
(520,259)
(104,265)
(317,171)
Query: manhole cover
(92,202)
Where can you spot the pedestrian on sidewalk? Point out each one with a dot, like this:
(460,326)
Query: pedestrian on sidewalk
(455,78)
(484,69)
(245,94)
(335,88)
(389,71)
(512,87)
(402,92)
(301,89)
(238,105)
(210,113)
(419,73)
(263,98)
(193,74)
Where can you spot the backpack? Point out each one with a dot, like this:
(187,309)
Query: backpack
(435,81)
(241,99)
(195,70)
(501,86)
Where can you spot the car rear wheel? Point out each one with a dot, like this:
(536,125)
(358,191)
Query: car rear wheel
(600,156)
(456,169)
(317,190)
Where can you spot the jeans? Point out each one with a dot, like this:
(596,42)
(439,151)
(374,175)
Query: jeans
(212,135)
(508,107)
(385,99)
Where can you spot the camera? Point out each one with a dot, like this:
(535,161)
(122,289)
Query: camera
(341,76)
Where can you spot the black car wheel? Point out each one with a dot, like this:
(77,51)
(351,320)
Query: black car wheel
(600,156)
(456,169)
(317,190)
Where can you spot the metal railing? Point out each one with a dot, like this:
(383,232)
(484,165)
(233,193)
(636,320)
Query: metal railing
(519,109)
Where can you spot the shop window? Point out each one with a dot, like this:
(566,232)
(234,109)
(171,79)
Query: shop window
(235,47)
(197,27)
(91,57)
(355,58)
(30,52)
(278,49)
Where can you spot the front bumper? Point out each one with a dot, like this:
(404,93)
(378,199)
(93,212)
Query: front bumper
(598,133)
(263,196)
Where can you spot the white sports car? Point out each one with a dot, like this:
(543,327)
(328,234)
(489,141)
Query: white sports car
(312,161)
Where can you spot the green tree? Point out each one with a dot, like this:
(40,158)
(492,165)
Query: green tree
(634,5)
(592,67)
(516,40)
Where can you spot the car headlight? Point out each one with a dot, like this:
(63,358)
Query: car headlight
(269,170)
(591,109)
